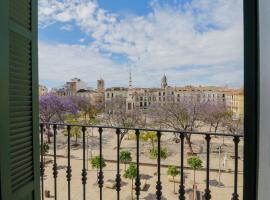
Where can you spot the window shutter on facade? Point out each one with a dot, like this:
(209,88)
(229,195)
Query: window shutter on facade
(19,135)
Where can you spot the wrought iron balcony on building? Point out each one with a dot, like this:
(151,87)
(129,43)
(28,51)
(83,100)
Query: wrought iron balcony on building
(182,194)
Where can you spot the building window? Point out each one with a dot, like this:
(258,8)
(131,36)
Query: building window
(129,106)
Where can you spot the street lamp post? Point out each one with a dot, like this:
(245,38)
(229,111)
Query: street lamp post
(87,156)
(219,167)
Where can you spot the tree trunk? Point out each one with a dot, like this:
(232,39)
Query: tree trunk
(188,138)
(173,185)
(194,185)
(132,189)
(48,137)
(194,177)
(85,117)
(216,127)
(153,144)
(122,135)
(97,175)
(48,134)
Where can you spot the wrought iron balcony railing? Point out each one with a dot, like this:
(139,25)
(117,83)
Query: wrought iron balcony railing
(117,130)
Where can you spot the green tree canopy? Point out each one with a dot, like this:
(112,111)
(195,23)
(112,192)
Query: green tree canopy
(194,162)
(95,162)
(75,131)
(163,153)
(125,157)
(131,172)
(149,136)
(173,171)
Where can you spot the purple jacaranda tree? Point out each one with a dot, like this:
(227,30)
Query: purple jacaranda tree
(215,114)
(53,108)
(87,107)
(179,116)
(235,126)
(117,115)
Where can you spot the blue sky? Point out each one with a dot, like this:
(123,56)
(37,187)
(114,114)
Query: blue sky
(195,42)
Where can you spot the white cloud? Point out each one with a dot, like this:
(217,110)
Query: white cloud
(66,27)
(82,40)
(60,62)
(203,33)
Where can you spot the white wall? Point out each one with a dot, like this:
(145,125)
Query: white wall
(264,139)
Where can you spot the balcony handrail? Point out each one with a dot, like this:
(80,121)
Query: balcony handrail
(159,132)
(148,129)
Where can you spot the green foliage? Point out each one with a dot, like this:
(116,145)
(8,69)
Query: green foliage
(45,148)
(95,162)
(131,172)
(93,121)
(194,162)
(173,171)
(75,130)
(163,153)
(146,136)
(125,156)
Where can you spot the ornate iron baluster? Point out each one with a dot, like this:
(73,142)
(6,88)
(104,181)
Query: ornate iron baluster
(84,172)
(158,186)
(207,194)
(55,172)
(182,186)
(42,161)
(69,166)
(235,195)
(118,176)
(100,175)
(137,181)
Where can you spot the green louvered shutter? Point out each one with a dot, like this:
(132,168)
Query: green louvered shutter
(19,100)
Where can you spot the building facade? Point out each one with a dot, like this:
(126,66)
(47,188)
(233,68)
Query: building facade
(43,90)
(144,98)
(74,85)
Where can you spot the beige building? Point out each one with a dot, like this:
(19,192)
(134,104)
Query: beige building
(143,98)
(43,90)
(235,101)
(96,97)
(74,85)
